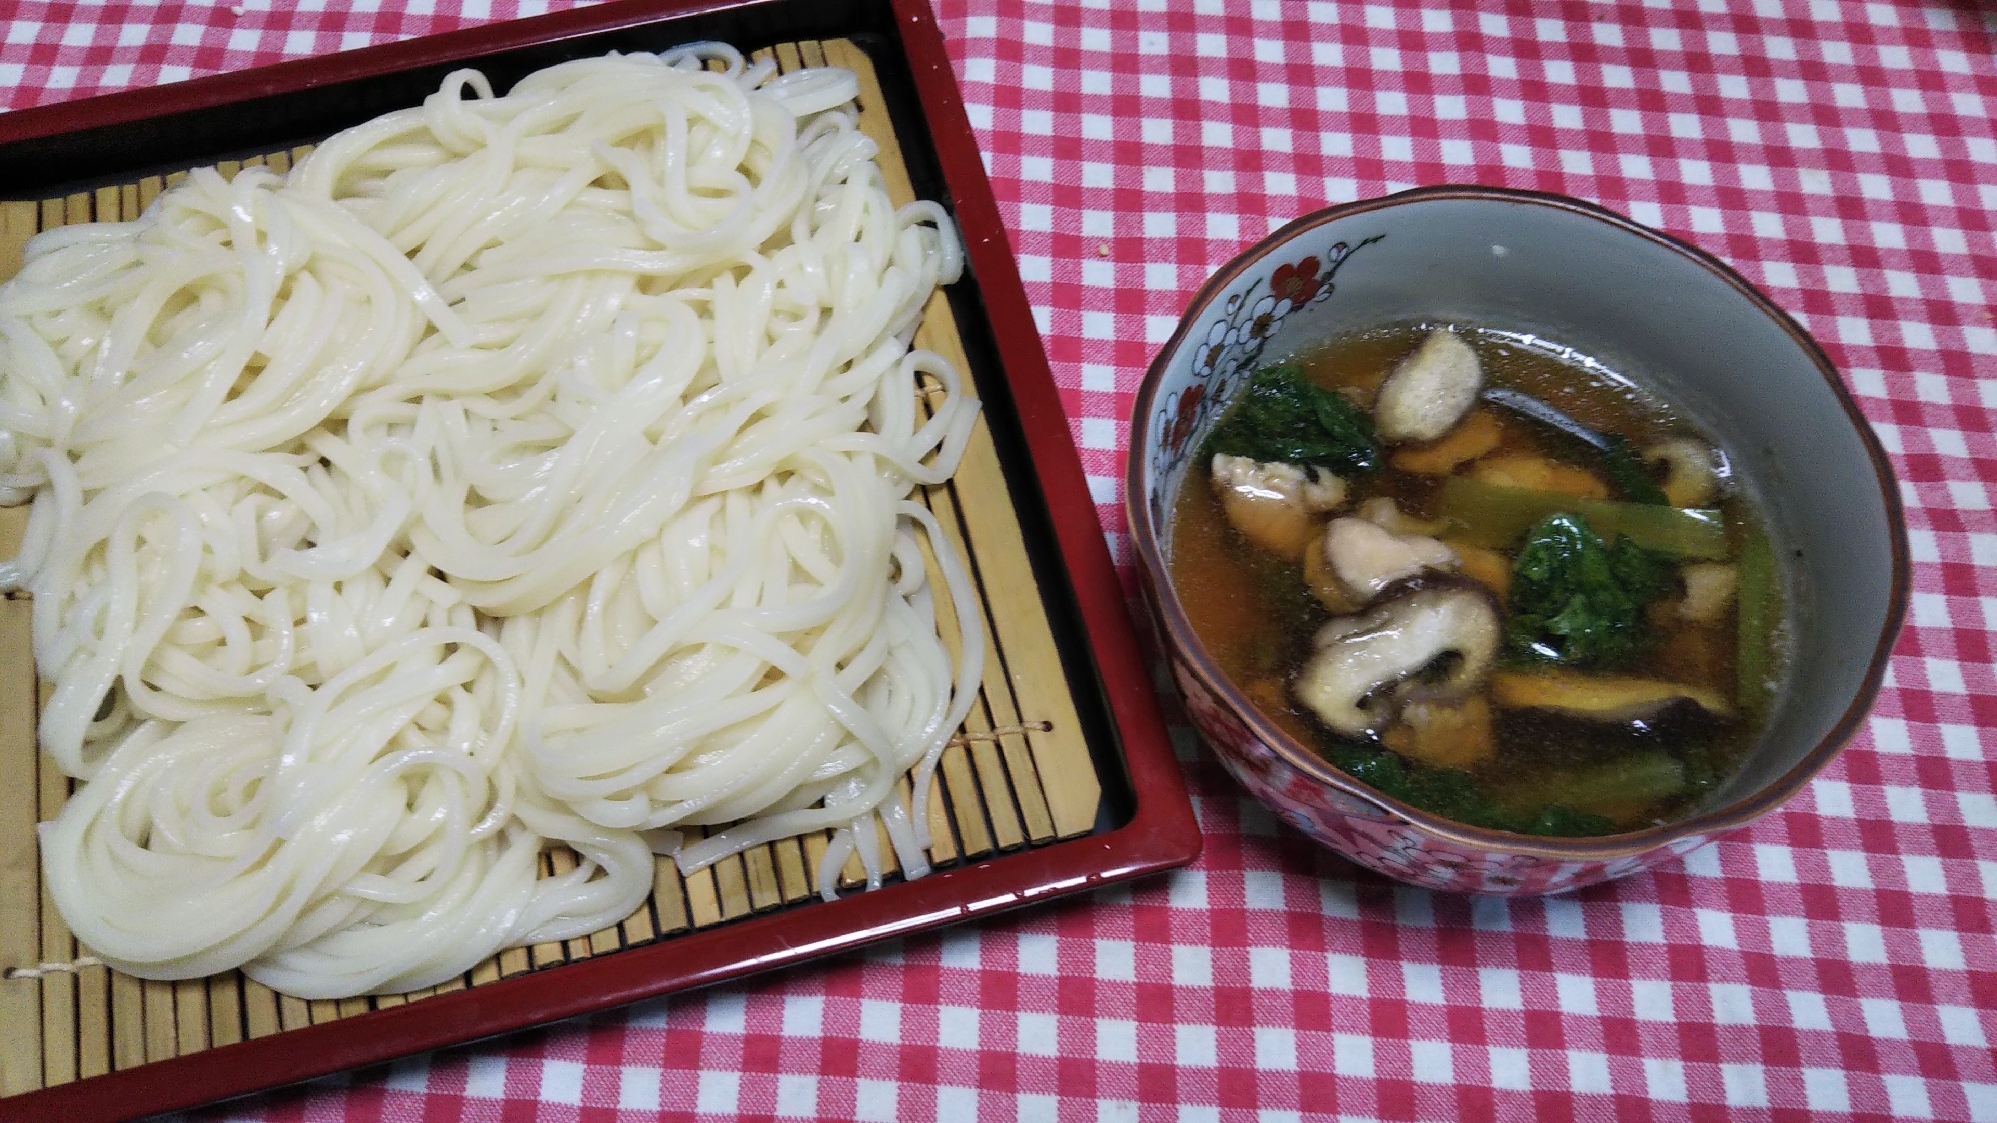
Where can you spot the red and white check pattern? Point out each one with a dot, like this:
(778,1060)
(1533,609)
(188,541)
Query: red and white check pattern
(1836,961)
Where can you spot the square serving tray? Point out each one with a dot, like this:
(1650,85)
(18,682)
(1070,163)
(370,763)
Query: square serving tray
(1061,780)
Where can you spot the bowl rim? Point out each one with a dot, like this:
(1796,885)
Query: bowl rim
(1155,571)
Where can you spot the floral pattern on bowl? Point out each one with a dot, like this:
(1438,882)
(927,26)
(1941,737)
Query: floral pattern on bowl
(1230,348)
(1377,838)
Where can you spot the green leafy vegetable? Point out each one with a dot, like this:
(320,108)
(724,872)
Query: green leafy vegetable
(1494,515)
(1453,794)
(1281,416)
(1448,792)
(1577,602)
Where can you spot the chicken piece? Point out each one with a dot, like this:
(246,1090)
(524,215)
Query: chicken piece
(1383,512)
(1691,471)
(1478,434)
(1709,591)
(1276,506)
(1429,391)
(1444,734)
(1324,584)
(1536,473)
(1366,558)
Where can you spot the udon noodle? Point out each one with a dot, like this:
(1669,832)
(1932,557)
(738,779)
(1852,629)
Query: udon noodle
(515,471)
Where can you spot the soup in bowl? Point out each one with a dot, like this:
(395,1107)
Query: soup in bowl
(1504,545)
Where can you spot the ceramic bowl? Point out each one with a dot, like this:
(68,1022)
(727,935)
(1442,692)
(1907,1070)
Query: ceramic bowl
(1667,315)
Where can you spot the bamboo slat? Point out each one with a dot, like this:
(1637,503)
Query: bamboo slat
(59,1046)
(794,882)
(20,877)
(19,221)
(731,887)
(162,1026)
(128,1022)
(761,866)
(93,1019)
(225,1009)
(260,1009)
(293,1013)
(513,961)
(669,911)
(703,898)
(485,972)
(1018,774)
(190,1015)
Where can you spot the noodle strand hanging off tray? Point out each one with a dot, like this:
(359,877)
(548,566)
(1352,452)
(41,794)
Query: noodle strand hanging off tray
(516,470)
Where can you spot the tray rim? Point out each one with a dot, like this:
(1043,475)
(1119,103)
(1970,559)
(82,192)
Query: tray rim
(1162,833)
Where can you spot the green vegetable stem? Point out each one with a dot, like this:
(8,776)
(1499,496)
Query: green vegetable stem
(1494,516)
(1282,417)
(1757,609)
(1617,457)
(1630,780)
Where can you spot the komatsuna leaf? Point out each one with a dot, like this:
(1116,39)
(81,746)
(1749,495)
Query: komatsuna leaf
(1282,417)
(1577,602)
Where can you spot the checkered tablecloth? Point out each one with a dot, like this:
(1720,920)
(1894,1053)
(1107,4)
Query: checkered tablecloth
(1835,961)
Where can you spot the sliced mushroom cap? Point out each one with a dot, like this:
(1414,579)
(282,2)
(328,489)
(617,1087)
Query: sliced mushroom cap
(1366,557)
(1691,471)
(1434,643)
(1274,505)
(1429,391)
(1615,699)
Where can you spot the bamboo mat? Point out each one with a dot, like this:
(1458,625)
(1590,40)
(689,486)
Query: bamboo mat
(1018,775)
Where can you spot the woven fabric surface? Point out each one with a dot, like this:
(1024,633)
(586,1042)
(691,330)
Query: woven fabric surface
(1834,961)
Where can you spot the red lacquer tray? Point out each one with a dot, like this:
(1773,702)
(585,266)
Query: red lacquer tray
(1062,781)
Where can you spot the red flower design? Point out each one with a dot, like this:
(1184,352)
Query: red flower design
(1182,424)
(1295,283)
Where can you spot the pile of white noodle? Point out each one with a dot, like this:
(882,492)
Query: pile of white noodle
(516,470)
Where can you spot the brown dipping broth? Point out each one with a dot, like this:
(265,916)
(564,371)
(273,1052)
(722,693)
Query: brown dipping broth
(1255,616)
